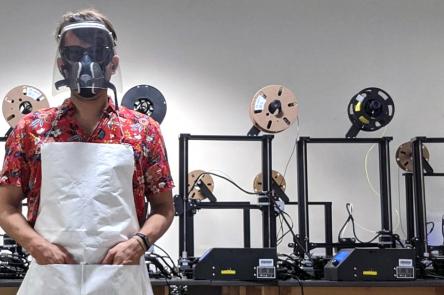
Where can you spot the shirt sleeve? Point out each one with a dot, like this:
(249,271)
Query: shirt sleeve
(15,169)
(157,170)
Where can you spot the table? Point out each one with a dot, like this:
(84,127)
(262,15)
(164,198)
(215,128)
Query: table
(289,287)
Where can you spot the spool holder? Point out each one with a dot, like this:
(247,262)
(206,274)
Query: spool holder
(206,191)
(279,193)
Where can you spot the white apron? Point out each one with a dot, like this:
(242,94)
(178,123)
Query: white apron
(86,206)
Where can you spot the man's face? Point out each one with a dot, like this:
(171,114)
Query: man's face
(70,40)
(87,62)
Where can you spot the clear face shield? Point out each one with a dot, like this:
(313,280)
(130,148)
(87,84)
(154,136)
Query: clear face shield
(86,62)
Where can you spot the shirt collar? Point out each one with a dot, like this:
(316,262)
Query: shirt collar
(67,107)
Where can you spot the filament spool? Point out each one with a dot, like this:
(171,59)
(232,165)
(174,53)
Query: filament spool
(193,178)
(273,109)
(276,176)
(20,101)
(404,156)
(147,100)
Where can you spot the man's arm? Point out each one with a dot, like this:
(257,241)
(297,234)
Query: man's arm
(15,225)
(161,216)
(159,220)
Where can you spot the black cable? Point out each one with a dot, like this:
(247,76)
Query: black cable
(168,285)
(290,227)
(286,255)
(13,265)
(433,275)
(280,232)
(223,177)
(432,228)
(428,264)
(281,229)
(281,238)
(357,239)
(442,226)
(292,224)
(291,267)
(166,253)
(300,284)
(171,270)
(351,219)
(176,290)
(253,193)
(343,227)
(399,241)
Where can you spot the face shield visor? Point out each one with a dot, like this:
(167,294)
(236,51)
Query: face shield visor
(86,62)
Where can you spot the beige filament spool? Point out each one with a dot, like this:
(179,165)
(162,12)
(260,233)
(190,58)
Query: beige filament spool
(195,192)
(273,109)
(404,156)
(22,100)
(277,177)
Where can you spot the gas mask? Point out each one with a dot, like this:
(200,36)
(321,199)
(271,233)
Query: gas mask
(84,56)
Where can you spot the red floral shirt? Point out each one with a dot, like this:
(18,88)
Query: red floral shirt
(22,166)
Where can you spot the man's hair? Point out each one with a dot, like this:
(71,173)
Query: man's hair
(85,15)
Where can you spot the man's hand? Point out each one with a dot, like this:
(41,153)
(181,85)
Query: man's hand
(14,223)
(127,252)
(161,216)
(47,253)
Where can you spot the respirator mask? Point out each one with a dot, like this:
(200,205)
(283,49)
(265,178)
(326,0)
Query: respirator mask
(84,59)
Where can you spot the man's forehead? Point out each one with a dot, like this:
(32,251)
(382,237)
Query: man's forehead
(70,39)
(86,37)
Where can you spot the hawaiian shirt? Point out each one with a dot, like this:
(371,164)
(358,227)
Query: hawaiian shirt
(22,164)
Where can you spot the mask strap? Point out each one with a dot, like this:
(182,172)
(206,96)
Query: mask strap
(113,88)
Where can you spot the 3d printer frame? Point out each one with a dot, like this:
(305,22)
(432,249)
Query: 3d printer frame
(186,219)
(416,212)
(384,179)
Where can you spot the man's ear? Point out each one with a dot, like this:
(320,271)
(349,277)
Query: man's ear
(114,63)
(60,64)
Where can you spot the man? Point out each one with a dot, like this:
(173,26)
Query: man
(85,169)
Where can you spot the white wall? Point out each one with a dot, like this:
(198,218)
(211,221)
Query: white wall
(209,58)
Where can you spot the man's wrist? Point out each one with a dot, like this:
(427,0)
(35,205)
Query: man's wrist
(144,238)
(139,242)
(35,244)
